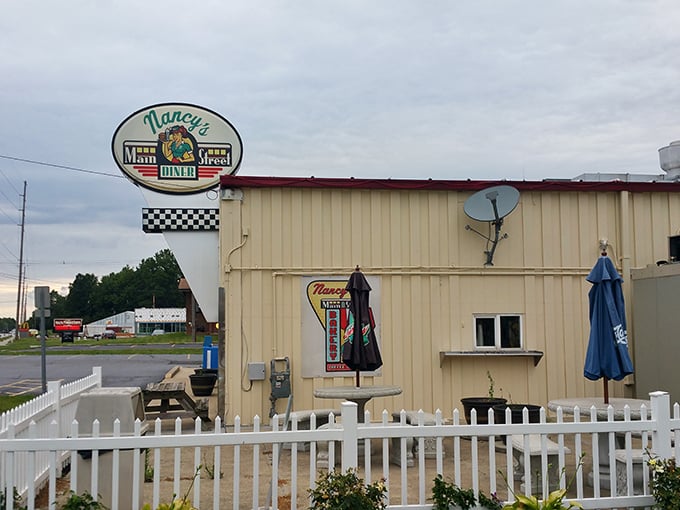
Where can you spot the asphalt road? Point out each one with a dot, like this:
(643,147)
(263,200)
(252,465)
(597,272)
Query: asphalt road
(23,374)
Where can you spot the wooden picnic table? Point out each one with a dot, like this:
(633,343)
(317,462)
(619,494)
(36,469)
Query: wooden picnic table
(167,391)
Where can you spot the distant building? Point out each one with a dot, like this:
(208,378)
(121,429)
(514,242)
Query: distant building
(120,323)
(203,327)
(171,320)
(140,322)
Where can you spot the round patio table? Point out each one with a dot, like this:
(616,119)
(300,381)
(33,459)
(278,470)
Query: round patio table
(586,403)
(601,410)
(359,395)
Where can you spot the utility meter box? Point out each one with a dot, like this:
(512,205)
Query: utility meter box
(106,405)
(256,371)
(279,376)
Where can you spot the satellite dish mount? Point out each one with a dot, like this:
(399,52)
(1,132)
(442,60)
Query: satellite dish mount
(491,205)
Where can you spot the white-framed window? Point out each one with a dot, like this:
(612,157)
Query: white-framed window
(498,331)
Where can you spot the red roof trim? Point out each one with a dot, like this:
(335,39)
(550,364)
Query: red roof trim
(241,181)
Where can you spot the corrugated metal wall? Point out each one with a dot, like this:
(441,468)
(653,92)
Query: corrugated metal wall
(433,280)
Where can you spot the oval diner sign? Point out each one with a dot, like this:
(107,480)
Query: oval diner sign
(176,148)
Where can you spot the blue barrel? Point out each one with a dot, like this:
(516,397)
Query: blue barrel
(210,357)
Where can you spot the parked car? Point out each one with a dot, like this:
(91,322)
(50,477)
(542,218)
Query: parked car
(109,333)
(158,332)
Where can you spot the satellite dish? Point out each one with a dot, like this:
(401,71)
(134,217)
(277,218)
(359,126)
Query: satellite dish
(491,205)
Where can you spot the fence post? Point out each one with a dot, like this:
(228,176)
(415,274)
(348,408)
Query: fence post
(349,412)
(661,414)
(98,372)
(55,387)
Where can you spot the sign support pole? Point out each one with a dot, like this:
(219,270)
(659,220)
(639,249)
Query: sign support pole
(43,350)
(42,303)
(221,354)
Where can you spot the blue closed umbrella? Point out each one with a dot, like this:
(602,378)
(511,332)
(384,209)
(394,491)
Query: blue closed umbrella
(607,354)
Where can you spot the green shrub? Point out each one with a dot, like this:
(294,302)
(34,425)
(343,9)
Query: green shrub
(83,501)
(346,491)
(16,502)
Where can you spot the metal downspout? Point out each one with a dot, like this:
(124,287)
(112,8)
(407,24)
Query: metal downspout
(625,254)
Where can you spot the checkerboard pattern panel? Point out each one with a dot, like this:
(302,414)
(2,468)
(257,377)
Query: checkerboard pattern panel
(163,220)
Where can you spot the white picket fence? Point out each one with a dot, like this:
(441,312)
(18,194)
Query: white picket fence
(264,466)
(55,407)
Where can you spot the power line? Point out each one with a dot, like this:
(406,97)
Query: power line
(8,199)
(7,215)
(78,262)
(175,185)
(63,167)
(8,251)
(12,185)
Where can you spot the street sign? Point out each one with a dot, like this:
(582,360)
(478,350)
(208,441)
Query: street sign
(42,297)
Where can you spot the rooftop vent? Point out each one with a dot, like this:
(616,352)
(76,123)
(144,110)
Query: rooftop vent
(669,159)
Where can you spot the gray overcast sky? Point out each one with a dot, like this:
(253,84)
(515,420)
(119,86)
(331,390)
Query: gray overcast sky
(385,88)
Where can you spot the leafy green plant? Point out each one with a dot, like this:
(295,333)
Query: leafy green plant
(83,501)
(178,504)
(209,469)
(16,503)
(346,491)
(492,384)
(148,468)
(665,483)
(490,502)
(446,494)
(554,501)
(175,504)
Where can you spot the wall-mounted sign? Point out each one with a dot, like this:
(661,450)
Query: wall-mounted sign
(176,148)
(325,309)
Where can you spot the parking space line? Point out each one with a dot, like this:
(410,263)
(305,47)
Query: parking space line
(21,387)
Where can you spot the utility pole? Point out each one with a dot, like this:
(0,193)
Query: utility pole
(21,264)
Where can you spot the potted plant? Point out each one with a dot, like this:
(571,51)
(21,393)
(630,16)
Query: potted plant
(448,496)
(344,491)
(516,413)
(202,383)
(205,371)
(482,404)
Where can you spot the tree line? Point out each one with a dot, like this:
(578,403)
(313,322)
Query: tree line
(152,284)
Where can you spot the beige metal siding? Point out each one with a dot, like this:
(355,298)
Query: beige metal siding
(433,280)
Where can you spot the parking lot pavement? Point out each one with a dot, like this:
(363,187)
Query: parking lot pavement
(22,387)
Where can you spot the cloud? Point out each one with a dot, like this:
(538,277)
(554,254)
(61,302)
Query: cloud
(448,90)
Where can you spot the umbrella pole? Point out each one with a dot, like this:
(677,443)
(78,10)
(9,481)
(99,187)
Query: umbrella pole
(358,384)
(605,381)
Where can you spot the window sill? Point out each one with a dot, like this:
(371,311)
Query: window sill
(536,355)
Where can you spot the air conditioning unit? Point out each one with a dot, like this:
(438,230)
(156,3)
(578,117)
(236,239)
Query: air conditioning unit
(674,249)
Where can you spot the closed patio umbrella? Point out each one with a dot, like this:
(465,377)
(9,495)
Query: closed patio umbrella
(607,355)
(360,350)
